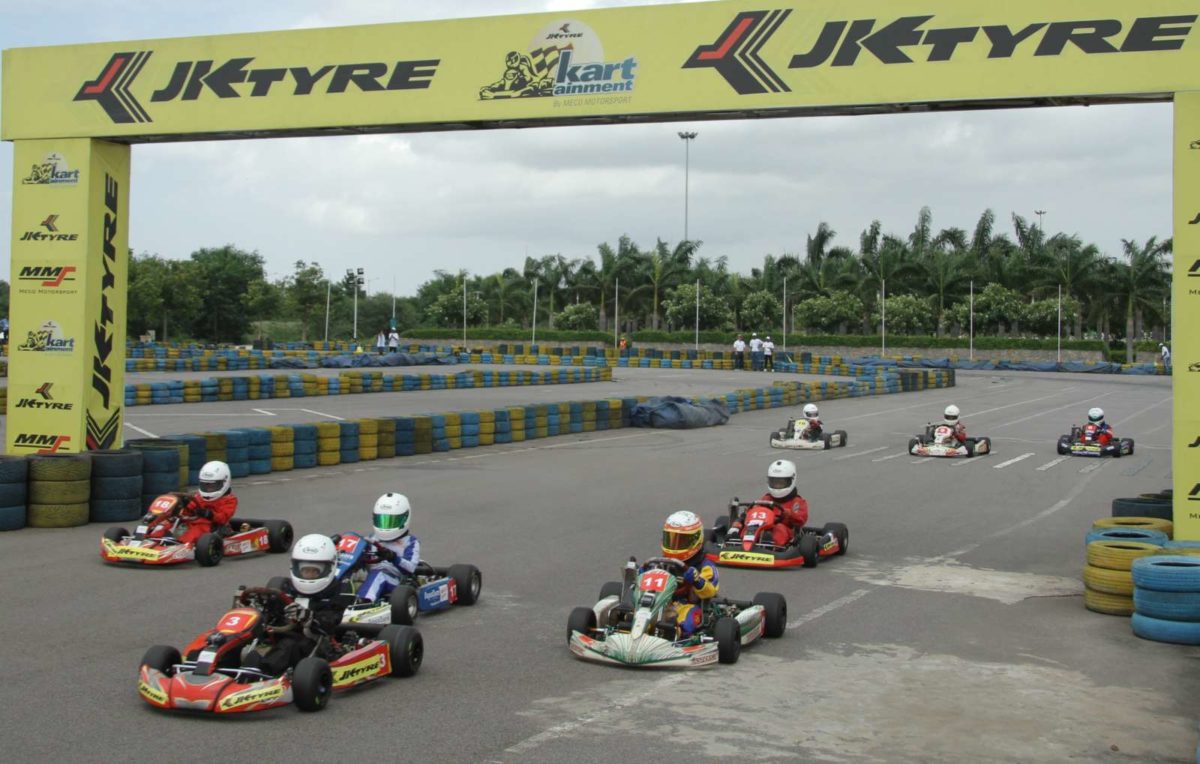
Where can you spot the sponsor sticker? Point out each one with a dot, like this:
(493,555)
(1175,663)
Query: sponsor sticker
(152,694)
(248,697)
(52,171)
(48,339)
(564,60)
(360,670)
(752,557)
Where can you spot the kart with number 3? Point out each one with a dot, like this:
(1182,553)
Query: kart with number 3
(754,547)
(211,674)
(634,623)
(155,539)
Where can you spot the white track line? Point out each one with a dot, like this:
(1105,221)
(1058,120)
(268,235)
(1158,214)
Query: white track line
(1042,413)
(861,453)
(318,413)
(264,411)
(969,462)
(893,456)
(1048,465)
(134,427)
(827,608)
(1014,460)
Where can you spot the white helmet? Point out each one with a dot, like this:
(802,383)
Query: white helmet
(781,478)
(314,564)
(392,512)
(214,480)
(810,411)
(1096,415)
(951,414)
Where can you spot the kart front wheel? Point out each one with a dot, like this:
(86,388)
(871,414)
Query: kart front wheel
(279,535)
(719,530)
(312,684)
(406,649)
(404,605)
(1064,445)
(582,620)
(611,589)
(809,550)
(209,550)
(162,658)
(842,533)
(115,535)
(775,609)
(913,445)
(729,640)
(1128,441)
(468,581)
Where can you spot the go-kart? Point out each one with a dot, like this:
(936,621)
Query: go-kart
(793,436)
(939,440)
(634,623)
(155,540)
(1085,441)
(428,589)
(211,675)
(754,547)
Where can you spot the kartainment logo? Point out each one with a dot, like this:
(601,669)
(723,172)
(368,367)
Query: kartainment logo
(51,234)
(40,443)
(48,339)
(235,78)
(736,52)
(53,171)
(565,58)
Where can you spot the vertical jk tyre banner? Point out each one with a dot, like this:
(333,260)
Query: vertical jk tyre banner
(648,62)
(1185,308)
(67,296)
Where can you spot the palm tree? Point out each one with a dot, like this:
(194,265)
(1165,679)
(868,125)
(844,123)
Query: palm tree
(1073,266)
(663,269)
(1142,283)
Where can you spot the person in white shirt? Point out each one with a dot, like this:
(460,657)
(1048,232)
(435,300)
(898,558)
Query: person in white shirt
(739,353)
(756,358)
(393,341)
(769,354)
(1166,355)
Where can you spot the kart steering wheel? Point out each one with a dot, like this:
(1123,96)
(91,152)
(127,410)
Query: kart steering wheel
(265,598)
(666,563)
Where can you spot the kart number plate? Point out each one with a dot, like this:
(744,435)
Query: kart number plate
(207,656)
(141,529)
(133,542)
(654,581)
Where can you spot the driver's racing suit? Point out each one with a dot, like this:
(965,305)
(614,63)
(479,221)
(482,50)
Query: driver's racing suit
(215,514)
(699,582)
(791,513)
(296,639)
(813,430)
(1104,433)
(397,559)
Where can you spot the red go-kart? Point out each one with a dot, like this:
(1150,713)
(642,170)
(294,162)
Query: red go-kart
(1089,441)
(155,539)
(209,675)
(754,547)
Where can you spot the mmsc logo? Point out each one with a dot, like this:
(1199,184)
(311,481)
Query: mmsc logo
(41,279)
(40,443)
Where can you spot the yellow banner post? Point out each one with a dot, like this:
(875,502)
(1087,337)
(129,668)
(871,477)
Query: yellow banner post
(1185,302)
(70,256)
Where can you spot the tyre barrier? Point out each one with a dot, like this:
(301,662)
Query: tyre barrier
(1181,547)
(237,452)
(348,442)
(1166,599)
(160,473)
(1143,507)
(1108,584)
(180,446)
(1157,538)
(59,488)
(197,455)
(1137,523)
(14,477)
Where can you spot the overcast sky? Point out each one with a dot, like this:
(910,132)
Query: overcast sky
(401,206)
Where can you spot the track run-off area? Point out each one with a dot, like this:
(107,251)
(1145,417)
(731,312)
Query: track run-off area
(953,631)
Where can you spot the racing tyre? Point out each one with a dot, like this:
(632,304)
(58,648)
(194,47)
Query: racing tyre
(828,439)
(282,583)
(1130,442)
(468,581)
(209,550)
(611,589)
(115,535)
(582,620)
(842,533)
(312,684)
(719,530)
(1064,445)
(161,658)
(406,649)
(776,613)
(913,445)
(1160,630)
(279,535)
(809,550)
(1137,507)
(404,605)
(729,640)
(59,467)
(845,438)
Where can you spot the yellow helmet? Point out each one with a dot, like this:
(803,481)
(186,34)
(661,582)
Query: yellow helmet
(683,536)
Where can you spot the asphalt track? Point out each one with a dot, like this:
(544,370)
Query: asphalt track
(953,631)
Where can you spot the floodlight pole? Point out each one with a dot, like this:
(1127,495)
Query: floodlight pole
(464,311)
(1060,323)
(972,321)
(883,313)
(785,314)
(616,310)
(533,341)
(328,291)
(697,315)
(687,138)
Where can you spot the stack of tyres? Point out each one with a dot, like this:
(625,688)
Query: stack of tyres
(1166,599)
(160,444)
(368,439)
(1144,506)
(422,434)
(216,446)
(14,494)
(283,449)
(305,445)
(387,437)
(59,488)
(197,457)
(237,452)
(487,428)
(349,445)
(260,451)
(1108,585)
(503,426)
(116,494)
(469,422)
(406,436)
(160,473)
(329,444)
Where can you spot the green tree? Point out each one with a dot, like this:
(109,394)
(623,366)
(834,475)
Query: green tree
(579,317)
(447,310)
(761,311)
(680,309)
(1142,282)
(828,314)
(163,295)
(226,276)
(305,292)
(907,314)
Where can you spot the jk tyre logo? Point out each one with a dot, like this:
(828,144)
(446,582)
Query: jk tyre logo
(735,54)
(44,401)
(111,88)
(50,232)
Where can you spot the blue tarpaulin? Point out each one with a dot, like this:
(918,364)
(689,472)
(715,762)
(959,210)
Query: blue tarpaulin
(679,413)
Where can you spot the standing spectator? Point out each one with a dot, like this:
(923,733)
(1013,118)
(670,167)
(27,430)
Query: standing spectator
(739,353)
(769,354)
(381,342)
(1166,355)
(393,340)
(756,352)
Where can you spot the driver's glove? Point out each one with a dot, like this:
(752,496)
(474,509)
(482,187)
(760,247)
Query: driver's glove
(294,611)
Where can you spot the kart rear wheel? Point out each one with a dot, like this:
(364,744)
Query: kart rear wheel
(406,649)
(845,438)
(828,440)
(611,589)
(1130,442)
(161,658)
(1064,445)
(719,530)
(468,581)
(312,684)
(115,534)
(810,550)
(969,447)
(842,533)
(279,535)
(582,620)
(776,613)
(209,550)
(403,600)
(729,640)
